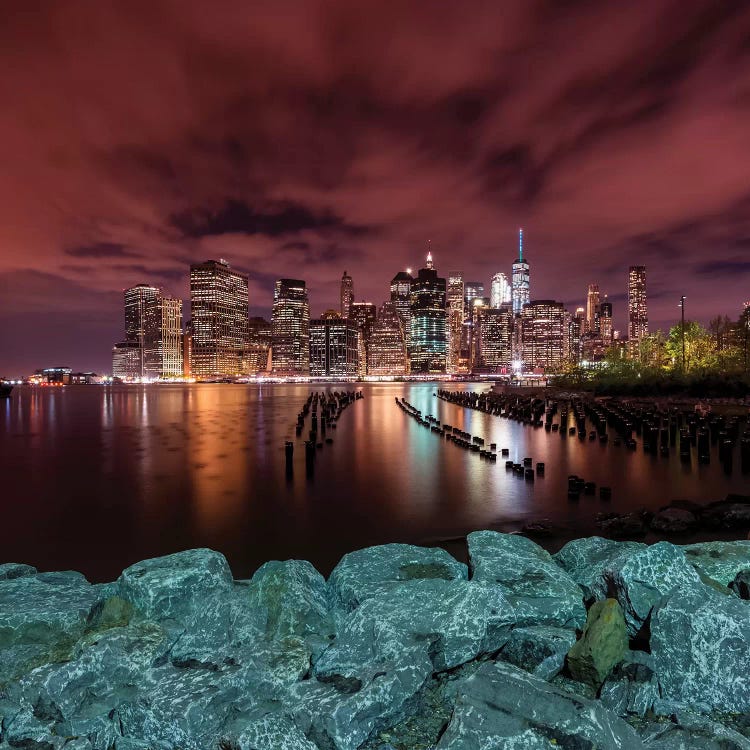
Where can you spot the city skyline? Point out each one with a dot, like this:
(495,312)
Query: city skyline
(308,142)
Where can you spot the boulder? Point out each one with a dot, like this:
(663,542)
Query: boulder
(174,586)
(41,617)
(726,514)
(501,706)
(719,560)
(640,580)
(15,570)
(602,645)
(585,560)
(700,641)
(689,731)
(386,650)
(623,526)
(368,571)
(673,521)
(741,584)
(632,687)
(540,592)
(539,649)
(270,731)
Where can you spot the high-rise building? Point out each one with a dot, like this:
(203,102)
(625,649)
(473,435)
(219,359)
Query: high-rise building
(576,326)
(637,308)
(493,328)
(347,294)
(386,354)
(473,290)
(455,313)
(258,345)
(364,315)
(544,334)
(521,282)
(592,309)
(187,350)
(153,321)
(429,335)
(126,360)
(401,298)
(219,315)
(605,321)
(333,347)
(290,328)
(499,291)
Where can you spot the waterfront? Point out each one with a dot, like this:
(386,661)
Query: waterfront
(95,478)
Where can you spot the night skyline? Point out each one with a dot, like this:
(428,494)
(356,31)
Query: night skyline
(302,140)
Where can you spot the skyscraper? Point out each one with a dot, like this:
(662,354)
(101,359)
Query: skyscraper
(126,360)
(219,310)
(347,294)
(429,335)
(592,309)
(544,334)
(637,308)
(576,325)
(258,345)
(499,290)
(333,347)
(473,290)
(290,328)
(455,312)
(153,321)
(521,283)
(401,298)
(492,338)
(605,321)
(386,354)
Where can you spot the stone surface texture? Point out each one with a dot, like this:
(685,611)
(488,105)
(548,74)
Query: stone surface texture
(402,648)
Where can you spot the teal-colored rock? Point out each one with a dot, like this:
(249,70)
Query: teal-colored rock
(632,687)
(501,707)
(540,592)
(293,596)
(719,560)
(172,587)
(15,570)
(368,571)
(700,642)
(644,577)
(602,645)
(687,731)
(270,731)
(585,561)
(41,618)
(539,649)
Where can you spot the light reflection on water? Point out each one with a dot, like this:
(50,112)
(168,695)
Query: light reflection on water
(97,478)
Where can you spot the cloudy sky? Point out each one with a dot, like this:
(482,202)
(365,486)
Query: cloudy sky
(302,139)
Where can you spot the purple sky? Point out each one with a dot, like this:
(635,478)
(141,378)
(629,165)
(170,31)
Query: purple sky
(302,139)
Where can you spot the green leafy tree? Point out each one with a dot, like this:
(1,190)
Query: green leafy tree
(700,348)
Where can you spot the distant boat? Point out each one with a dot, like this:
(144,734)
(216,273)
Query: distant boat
(5,390)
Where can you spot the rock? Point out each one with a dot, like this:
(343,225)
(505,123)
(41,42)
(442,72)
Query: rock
(172,587)
(15,570)
(632,687)
(584,560)
(692,732)
(390,645)
(640,580)
(501,706)
(293,597)
(270,731)
(41,617)
(673,521)
(726,514)
(719,560)
(623,526)
(603,644)
(368,571)
(700,641)
(540,592)
(539,649)
(741,584)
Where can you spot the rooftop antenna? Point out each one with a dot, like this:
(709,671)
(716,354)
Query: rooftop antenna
(520,243)
(429,255)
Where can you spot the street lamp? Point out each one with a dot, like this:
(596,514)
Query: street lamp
(682,307)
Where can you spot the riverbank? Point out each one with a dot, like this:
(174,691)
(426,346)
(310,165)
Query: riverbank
(605,644)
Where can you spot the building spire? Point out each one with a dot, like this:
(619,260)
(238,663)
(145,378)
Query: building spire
(520,243)
(429,256)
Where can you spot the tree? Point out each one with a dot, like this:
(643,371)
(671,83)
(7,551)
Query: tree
(700,347)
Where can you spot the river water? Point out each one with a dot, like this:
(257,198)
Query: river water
(95,478)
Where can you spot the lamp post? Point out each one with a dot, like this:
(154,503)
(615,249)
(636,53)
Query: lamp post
(682,307)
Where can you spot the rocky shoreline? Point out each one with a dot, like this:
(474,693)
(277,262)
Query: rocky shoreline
(604,644)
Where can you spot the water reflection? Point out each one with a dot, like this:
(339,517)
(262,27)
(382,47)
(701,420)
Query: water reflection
(96,478)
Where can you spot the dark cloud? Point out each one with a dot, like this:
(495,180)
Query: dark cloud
(303,138)
(237,217)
